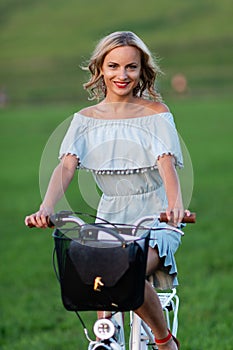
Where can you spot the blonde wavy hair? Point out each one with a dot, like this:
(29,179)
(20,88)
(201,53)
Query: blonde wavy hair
(149,67)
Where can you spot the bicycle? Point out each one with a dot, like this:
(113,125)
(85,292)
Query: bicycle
(110,330)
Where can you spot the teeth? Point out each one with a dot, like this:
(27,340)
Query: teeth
(121,84)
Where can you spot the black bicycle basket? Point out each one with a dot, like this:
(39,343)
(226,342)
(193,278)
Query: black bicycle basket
(101,273)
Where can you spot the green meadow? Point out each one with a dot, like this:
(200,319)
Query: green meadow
(32,315)
(43,45)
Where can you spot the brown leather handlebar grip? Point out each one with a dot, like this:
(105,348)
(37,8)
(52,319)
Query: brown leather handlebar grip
(191,219)
(49,222)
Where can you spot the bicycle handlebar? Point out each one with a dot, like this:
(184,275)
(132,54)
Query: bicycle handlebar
(189,219)
(63,217)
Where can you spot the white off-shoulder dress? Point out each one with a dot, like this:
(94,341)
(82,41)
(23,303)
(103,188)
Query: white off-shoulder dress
(122,154)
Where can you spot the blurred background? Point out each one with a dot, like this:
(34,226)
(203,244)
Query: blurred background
(42,46)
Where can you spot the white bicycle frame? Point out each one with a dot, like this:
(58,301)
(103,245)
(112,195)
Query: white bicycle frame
(141,335)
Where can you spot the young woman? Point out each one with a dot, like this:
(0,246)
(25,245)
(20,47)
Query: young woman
(129,142)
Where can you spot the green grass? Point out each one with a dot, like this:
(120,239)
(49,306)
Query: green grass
(42,46)
(205,258)
(32,315)
(43,43)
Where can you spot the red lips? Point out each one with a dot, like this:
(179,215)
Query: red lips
(121,85)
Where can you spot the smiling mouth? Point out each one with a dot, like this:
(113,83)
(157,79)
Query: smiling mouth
(121,85)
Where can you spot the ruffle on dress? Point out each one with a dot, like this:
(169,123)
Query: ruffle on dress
(121,144)
(167,243)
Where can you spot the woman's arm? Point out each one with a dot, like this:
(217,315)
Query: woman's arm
(59,182)
(167,170)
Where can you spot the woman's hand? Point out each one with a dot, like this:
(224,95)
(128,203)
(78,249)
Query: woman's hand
(40,218)
(176,215)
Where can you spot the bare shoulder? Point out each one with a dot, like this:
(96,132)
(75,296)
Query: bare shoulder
(158,107)
(87,111)
(97,111)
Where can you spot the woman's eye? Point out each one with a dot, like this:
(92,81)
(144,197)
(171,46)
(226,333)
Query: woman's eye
(133,66)
(112,65)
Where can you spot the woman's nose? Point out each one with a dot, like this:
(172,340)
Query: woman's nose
(123,74)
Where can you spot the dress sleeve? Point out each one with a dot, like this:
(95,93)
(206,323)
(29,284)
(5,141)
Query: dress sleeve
(166,138)
(71,141)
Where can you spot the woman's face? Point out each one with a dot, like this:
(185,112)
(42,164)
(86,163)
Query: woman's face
(121,71)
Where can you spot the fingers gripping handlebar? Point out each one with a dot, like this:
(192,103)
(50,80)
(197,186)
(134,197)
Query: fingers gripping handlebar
(61,218)
(189,219)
